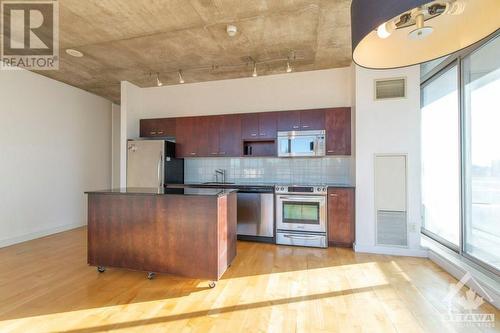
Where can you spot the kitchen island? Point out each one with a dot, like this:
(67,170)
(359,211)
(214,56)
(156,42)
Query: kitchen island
(189,232)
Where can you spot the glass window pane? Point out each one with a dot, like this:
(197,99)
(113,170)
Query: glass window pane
(441,157)
(482,107)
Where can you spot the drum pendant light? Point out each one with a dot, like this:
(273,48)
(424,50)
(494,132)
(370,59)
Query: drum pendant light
(398,33)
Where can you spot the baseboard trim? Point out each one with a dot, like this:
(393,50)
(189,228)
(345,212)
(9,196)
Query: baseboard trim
(393,251)
(38,234)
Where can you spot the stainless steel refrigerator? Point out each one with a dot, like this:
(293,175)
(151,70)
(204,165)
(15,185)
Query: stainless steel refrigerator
(152,163)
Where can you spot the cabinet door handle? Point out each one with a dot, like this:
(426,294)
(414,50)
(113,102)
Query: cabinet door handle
(334,195)
(223,153)
(295,126)
(152,133)
(253,134)
(160,132)
(329,151)
(262,134)
(305,126)
(214,153)
(192,153)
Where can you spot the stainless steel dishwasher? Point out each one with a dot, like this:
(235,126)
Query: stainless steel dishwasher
(256,213)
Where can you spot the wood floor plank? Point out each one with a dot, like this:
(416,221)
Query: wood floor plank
(46,286)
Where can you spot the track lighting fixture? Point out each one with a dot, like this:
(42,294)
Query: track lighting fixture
(255,74)
(181,79)
(158,82)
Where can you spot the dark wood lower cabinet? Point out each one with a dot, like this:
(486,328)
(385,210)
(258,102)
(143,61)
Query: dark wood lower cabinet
(341,224)
(191,236)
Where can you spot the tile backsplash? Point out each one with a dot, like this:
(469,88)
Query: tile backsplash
(326,170)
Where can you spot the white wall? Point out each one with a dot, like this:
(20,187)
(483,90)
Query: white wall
(115,145)
(382,127)
(55,143)
(294,91)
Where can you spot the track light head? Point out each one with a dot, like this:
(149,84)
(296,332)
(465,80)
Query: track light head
(255,74)
(158,82)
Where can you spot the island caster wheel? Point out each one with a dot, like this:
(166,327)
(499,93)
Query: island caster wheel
(101,269)
(211,284)
(151,275)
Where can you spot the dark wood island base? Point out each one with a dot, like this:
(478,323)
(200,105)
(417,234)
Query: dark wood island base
(189,232)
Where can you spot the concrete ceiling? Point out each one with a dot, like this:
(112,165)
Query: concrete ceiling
(128,40)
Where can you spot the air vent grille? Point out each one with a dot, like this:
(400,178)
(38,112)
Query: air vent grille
(391,228)
(390,88)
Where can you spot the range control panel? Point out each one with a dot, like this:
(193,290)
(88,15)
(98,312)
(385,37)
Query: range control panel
(299,189)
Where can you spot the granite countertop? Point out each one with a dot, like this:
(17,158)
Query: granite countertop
(188,191)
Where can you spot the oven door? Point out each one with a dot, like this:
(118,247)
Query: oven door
(297,146)
(301,212)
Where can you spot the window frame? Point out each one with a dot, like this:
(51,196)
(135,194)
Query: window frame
(457,59)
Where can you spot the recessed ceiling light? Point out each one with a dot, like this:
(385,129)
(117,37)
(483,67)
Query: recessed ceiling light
(231,30)
(74,53)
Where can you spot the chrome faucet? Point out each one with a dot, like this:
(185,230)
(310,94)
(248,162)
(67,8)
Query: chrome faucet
(221,172)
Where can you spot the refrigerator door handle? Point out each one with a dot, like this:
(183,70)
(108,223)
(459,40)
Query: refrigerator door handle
(159,171)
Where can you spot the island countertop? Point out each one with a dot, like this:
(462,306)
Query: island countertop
(187,191)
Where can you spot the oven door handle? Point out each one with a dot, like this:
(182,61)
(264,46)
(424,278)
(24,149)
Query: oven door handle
(302,199)
(301,237)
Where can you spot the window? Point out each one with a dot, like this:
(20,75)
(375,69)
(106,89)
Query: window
(441,157)
(461,153)
(482,153)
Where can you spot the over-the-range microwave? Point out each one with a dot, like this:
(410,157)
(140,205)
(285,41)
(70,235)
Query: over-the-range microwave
(301,144)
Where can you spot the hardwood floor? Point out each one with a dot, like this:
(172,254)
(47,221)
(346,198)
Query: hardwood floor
(46,286)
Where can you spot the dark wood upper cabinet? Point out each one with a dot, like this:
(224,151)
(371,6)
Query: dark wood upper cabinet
(201,136)
(165,127)
(192,137)
(267,125)
(338,131)
(250,126)
(304,120)
(213,134)
(230,135)
(312,120)
(289,121)
(184,143)
(341,217)
(259,126)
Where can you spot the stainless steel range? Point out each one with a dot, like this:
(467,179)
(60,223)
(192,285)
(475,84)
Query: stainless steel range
(301,215)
